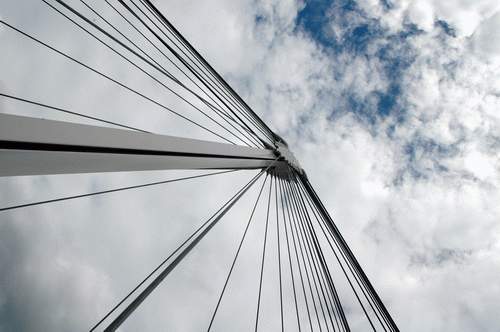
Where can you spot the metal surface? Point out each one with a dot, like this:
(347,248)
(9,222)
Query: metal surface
(358,270)
(115,324)
(288,158)
(30,146)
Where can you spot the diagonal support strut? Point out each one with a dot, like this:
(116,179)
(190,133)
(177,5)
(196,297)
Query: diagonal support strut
(31,146)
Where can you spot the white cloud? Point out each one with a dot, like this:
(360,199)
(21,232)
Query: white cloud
(486,40)
(463,16)
(423,223)
(480,165)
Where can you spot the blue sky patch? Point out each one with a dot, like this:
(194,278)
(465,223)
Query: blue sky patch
(394,53)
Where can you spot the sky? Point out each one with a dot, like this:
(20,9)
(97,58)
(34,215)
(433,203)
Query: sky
(392,108)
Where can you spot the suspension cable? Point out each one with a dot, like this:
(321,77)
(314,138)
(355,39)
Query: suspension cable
(308,250)
(71,112)
(263,254)
(297,243)
(289,254)
(375,310)
(108,78)
(214,219)
(346,275)
(130,61)
(156,66)
(189,67)
(279,254)
(216,85)
(236,255)
(311,238)
(219,78)
(214,108)
(126,297)
(13,207)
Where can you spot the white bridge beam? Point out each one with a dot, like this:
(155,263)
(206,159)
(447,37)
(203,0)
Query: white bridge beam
(30,146)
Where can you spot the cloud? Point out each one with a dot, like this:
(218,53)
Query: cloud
(392,108)
(430,178)
(463,16)
(485,40)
